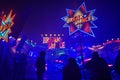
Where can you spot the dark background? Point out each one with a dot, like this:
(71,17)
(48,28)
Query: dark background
(35,17)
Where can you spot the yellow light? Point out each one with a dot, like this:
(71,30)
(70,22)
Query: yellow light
(52,46)
(54,34)
(18,39)
(50,35)
(45,34)
(58,34)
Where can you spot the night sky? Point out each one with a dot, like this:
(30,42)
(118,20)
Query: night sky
(34,17)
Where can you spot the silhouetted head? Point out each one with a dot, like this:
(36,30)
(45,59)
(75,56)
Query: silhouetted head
(71,61)
(95,55)
(42,53)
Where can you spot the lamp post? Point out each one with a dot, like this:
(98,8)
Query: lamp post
(79,41)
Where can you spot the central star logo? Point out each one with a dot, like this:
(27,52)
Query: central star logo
(80,20)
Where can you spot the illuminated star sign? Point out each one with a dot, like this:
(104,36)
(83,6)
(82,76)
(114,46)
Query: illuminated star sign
(80,20)
(6,22)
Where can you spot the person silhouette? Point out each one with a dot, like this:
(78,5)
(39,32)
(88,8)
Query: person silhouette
(117,63)
(71,71)
(40,65)
(98,68)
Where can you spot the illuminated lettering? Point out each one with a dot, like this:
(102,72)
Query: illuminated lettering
(53,40)
(52,46)
(45,39)
(79,19)
(62,44)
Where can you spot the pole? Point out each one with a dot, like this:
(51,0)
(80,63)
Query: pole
(79,41)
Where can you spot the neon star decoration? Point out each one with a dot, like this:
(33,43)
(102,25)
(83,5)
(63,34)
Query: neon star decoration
(6,22)
(80,20)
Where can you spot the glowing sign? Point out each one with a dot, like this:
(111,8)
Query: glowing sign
(96,48)
(80,20)
(6,22)
(53,42)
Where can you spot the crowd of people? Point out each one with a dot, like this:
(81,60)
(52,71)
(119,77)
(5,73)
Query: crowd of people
(12,66)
